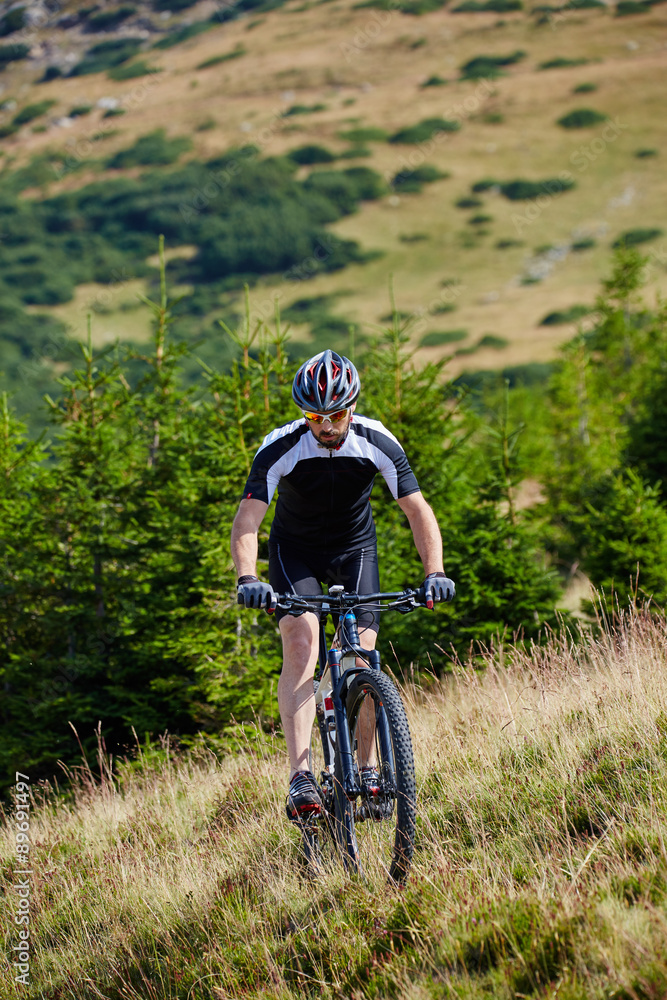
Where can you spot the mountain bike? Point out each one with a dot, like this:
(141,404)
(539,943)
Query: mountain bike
(361,749)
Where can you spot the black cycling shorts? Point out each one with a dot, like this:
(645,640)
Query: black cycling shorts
(304,571)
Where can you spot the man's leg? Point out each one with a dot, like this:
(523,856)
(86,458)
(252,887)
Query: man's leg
(296,699)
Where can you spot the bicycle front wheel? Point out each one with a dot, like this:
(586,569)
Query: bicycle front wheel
(379,827)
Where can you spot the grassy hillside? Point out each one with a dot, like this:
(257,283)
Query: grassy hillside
(337,67)
(540,872)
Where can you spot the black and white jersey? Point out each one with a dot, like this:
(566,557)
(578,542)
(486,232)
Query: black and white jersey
(323,495)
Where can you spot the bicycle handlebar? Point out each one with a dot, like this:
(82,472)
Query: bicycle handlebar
(405,600)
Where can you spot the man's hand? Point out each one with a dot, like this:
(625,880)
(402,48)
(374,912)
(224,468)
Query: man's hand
(438,587)
(253,593)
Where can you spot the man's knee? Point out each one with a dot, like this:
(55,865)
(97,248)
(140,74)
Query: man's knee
(300,642)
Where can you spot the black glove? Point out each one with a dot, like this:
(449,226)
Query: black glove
(253,593)
(438,587)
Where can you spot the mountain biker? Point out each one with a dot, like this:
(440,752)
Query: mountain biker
(323,466)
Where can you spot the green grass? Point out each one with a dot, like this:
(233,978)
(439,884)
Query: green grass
(540,868)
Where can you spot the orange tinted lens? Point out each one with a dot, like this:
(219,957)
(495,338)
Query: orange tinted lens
(317,418)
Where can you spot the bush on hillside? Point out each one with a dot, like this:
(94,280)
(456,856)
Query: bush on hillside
(424,130)
(79,110)
(311,154)
(587,243)
(13,53)
(560,62)
(226,57)
(104,56)
(183,34)
(50,73)
(107,20)
(643,154)
(489,67)
(585,88)
(623,533)
(368,134)
(411,181)
(469,202)
(493,340)
(173,6)
(499,6)
(32,111)
(434,81)
(582,118)
(484,185)
(154,149)
(298,109)
(131,71)
(522,190)
(570,315)
(436,338)
(13,21)
(633,237)
(627,8)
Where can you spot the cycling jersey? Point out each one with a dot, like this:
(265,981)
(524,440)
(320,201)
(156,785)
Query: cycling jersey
(323,494)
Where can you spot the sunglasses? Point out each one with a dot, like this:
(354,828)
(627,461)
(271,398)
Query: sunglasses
(335,418)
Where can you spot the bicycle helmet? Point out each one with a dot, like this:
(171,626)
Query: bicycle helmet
(326,383)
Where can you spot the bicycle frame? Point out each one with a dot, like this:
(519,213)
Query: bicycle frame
(337,668)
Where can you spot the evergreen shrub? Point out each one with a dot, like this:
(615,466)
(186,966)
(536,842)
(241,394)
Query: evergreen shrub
(633,237)
(311,154)
(411,181)
(627,8)
(521,190)
(50,73)
(587,243)
(434,81)
(570,315)
(560,62)
(585,88)
(32,111)
(300,109)
(489,67)
(183,34)
(132,70)
(499,6)
(107,20)
(582,118)
(424,130)
(236,53)
(105,55)
(438,337)
(493,340)
(154,149)
(13,53)
(484,185)
(368,134)
(13,21)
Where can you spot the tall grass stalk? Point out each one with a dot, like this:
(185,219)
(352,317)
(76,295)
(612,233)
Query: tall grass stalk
(541,868)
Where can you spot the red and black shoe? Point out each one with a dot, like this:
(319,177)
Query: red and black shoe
(303,798)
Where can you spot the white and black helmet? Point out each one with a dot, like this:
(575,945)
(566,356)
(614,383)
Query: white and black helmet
(326,383)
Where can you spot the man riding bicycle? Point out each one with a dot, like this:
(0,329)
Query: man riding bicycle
(323,467)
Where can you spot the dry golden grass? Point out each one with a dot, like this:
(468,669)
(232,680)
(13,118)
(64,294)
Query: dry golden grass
(540,870)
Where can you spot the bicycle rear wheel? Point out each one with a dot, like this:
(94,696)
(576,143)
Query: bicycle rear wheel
(377,831)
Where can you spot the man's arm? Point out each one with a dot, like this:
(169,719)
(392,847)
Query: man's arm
(244,536)
(425,531)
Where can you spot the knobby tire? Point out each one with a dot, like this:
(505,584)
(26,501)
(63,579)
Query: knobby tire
(387,844)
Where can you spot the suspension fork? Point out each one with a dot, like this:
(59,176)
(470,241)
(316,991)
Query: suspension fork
(351,644)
